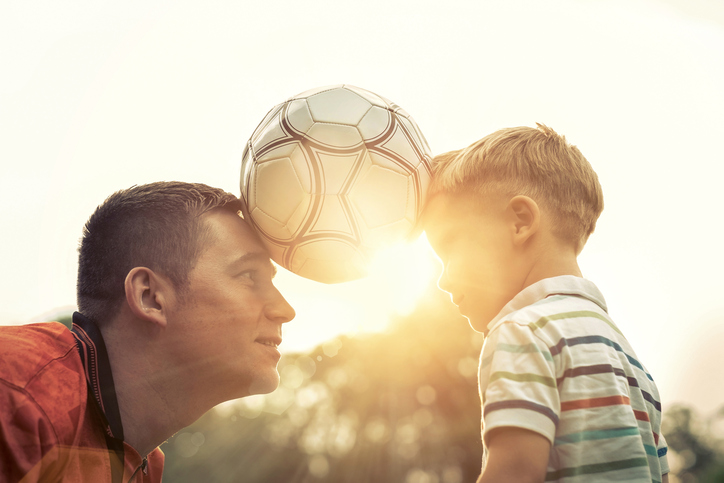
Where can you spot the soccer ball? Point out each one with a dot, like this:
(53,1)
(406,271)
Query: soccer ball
(332,175)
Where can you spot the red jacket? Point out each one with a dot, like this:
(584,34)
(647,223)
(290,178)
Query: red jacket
(59,418)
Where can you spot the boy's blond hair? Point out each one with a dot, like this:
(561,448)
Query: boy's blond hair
(535,162)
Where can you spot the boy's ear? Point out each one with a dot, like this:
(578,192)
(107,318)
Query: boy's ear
(525,216)
(147,295)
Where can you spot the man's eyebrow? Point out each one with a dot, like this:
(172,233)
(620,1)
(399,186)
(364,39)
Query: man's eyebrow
(256,257)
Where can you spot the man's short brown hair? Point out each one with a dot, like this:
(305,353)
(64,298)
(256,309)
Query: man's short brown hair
(157,226)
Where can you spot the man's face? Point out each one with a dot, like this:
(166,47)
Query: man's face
(229,321)
(480,269)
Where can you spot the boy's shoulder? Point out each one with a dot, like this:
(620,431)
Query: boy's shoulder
(555,307)
(558,306)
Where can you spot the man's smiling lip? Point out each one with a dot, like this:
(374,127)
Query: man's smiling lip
(271,341)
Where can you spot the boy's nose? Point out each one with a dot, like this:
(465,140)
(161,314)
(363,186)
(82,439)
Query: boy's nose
(443,283)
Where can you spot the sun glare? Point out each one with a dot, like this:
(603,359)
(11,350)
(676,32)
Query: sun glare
(403,272)
(397,279)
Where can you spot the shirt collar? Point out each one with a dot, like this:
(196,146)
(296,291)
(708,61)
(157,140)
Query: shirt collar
(94,356)
(561,285)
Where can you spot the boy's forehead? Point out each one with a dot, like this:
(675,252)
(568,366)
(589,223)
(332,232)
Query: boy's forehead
(443,209)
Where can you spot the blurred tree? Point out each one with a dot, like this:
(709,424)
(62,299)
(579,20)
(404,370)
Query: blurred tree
(400,406)
(66,320)
(696,449)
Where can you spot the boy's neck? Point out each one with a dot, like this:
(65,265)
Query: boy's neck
(554,260)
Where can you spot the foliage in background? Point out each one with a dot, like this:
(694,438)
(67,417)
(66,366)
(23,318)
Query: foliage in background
(696,445)
(400,406)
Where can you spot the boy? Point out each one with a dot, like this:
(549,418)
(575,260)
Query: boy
(564,396)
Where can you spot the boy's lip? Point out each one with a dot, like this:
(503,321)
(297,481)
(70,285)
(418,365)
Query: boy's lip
(457,299)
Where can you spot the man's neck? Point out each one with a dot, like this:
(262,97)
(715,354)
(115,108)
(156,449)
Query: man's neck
(155,400)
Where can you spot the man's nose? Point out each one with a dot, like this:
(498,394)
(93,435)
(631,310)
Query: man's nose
(278,309)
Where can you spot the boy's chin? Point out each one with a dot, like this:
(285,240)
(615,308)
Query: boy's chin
(476,323)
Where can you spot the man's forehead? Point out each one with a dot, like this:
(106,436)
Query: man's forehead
(245,258)
(231,233)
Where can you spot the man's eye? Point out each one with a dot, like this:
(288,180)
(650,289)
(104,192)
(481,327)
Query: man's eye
(250,274)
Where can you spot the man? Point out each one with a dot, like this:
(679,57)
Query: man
(177,313)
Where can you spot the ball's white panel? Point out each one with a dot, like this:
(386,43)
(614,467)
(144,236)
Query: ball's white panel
(298,169)
(336,168)
(330,261)
(299,116)
(385,162)
(338,106)
(247,164)
(400,111)
(390,105)
(273,112)
(278,191)
(335,135)
(370,97)
(425,145)
(268,134)
(416,135)
(296,262)
(330,250)
(317,90)
(374,122)
(283,151)
(400,145)
(424,176)
(413,195)
(380,196)
(366,164)
(270,226)
(295,222)
(301,163)
(333,218)
(276,252)
(382,235)
(250,190)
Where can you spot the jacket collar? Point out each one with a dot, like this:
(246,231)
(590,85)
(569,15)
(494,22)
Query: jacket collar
(94,357)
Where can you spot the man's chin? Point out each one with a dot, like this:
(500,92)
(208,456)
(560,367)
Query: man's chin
(264,384)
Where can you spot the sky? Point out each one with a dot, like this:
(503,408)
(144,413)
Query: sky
(98,96)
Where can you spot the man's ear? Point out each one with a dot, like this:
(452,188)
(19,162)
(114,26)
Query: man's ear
(525,216)
(148,295)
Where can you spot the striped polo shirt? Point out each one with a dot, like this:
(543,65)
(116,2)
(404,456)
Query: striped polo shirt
(553,362)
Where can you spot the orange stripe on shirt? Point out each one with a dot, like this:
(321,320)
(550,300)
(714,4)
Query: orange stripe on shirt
(642,416)
(595,402)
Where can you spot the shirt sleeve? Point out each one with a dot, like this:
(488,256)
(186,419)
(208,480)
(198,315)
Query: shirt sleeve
(662,450)
(518,382)
(26,437)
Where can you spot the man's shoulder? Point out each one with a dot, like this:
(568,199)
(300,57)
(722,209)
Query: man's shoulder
(42,374)
(28,349)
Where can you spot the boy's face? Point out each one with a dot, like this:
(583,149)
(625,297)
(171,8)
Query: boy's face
(482,270)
